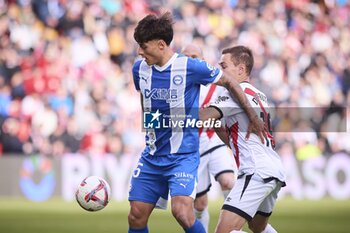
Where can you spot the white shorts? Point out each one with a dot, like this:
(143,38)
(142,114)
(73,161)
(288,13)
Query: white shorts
(253,195)
(217,161)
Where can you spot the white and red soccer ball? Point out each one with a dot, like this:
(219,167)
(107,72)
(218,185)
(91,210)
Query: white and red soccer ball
(93,193)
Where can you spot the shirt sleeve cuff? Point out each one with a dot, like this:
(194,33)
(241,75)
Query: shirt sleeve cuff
(218,109)
(217,77)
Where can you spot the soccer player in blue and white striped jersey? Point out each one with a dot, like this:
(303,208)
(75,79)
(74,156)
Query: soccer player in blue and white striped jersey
(169,85)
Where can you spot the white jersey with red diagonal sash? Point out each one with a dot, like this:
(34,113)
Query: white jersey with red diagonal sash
(207,137)
(251,155)
(216,157)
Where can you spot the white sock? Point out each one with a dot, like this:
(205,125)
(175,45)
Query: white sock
(269,229)
(238,232)
(225,192)
(203,217)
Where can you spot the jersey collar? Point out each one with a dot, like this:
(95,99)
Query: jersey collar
(166,65)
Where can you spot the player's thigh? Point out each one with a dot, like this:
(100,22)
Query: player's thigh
(221,161)
(247,195)
(229,221)
(204,181)
(264,211)
(266,207)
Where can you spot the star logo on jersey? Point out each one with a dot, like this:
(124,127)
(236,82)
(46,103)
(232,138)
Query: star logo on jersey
(151,120)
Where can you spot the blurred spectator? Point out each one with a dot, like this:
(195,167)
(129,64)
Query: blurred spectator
(14,135)
(65,70)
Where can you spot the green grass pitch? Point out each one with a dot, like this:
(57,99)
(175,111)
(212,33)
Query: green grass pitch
(56,216)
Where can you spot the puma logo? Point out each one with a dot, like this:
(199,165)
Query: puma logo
(144,79)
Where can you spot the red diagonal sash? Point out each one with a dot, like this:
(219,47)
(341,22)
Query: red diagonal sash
(210,132)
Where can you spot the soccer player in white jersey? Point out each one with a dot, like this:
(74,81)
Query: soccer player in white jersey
(215,158)
(169,85)
(260,174)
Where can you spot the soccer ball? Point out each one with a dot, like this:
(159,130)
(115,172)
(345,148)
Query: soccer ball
(93,193)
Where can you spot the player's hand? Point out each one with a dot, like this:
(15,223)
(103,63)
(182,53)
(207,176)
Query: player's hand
(258,127)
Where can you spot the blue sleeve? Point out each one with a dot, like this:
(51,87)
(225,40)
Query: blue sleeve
(135,74)
(202,72)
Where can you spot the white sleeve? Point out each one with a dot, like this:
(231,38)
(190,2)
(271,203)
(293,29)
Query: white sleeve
(226,104)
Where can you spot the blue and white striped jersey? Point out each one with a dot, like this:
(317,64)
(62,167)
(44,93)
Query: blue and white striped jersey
(172,92)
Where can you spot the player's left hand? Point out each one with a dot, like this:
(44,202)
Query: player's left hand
(257,126)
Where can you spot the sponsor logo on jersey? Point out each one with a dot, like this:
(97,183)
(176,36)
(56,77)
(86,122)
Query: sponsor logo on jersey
(169,95)
(184,178)
(221,99)
(259,97)
(183,175)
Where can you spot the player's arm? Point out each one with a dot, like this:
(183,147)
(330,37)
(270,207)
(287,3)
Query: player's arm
(210,112)
(207,74)
(213,112)
(256,124)
(222,133)
(141,102)
(136,79)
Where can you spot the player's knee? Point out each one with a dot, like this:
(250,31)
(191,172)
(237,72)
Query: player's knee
(201,203)
(226,185)
(256,228)
(226,181)
(137,218)
(183,216)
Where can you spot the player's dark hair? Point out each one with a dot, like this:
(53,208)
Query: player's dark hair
(152,28)
(241,55)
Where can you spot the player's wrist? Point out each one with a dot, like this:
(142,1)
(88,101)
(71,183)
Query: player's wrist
(252,114)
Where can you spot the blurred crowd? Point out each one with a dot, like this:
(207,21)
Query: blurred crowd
(66,83)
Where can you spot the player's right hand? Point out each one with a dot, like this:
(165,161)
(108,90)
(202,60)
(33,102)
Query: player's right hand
(257,126)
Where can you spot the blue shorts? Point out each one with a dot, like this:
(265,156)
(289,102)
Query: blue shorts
(155,176)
